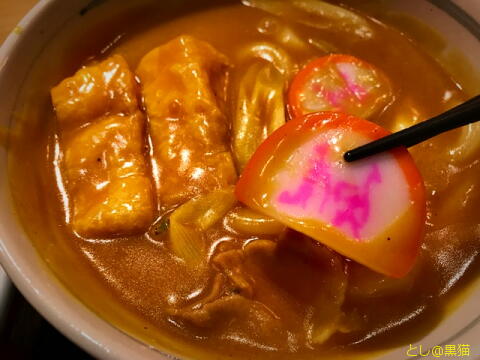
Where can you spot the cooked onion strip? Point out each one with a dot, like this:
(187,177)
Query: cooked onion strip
(248,222)
(259,109)
(189,222)
(316,14)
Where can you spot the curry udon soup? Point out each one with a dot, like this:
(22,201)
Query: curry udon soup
(132,170)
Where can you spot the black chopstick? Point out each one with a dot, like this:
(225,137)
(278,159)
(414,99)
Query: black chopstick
(464,114)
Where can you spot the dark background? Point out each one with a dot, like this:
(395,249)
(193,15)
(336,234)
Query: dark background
(26,335)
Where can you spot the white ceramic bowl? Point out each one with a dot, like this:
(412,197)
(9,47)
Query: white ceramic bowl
(457,21)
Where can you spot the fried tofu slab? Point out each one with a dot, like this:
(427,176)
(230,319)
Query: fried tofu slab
(102,137)
(184,90)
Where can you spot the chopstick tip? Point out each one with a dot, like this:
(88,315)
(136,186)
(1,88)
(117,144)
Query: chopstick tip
(348,157)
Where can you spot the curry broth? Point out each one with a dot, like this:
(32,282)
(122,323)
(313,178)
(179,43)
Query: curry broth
(134,282)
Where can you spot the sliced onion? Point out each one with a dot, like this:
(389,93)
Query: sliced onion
(187,243)
(316,14)
(189,222)
(259,109)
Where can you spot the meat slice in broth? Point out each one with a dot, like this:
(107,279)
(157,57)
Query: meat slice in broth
(184,89)
(101,132)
